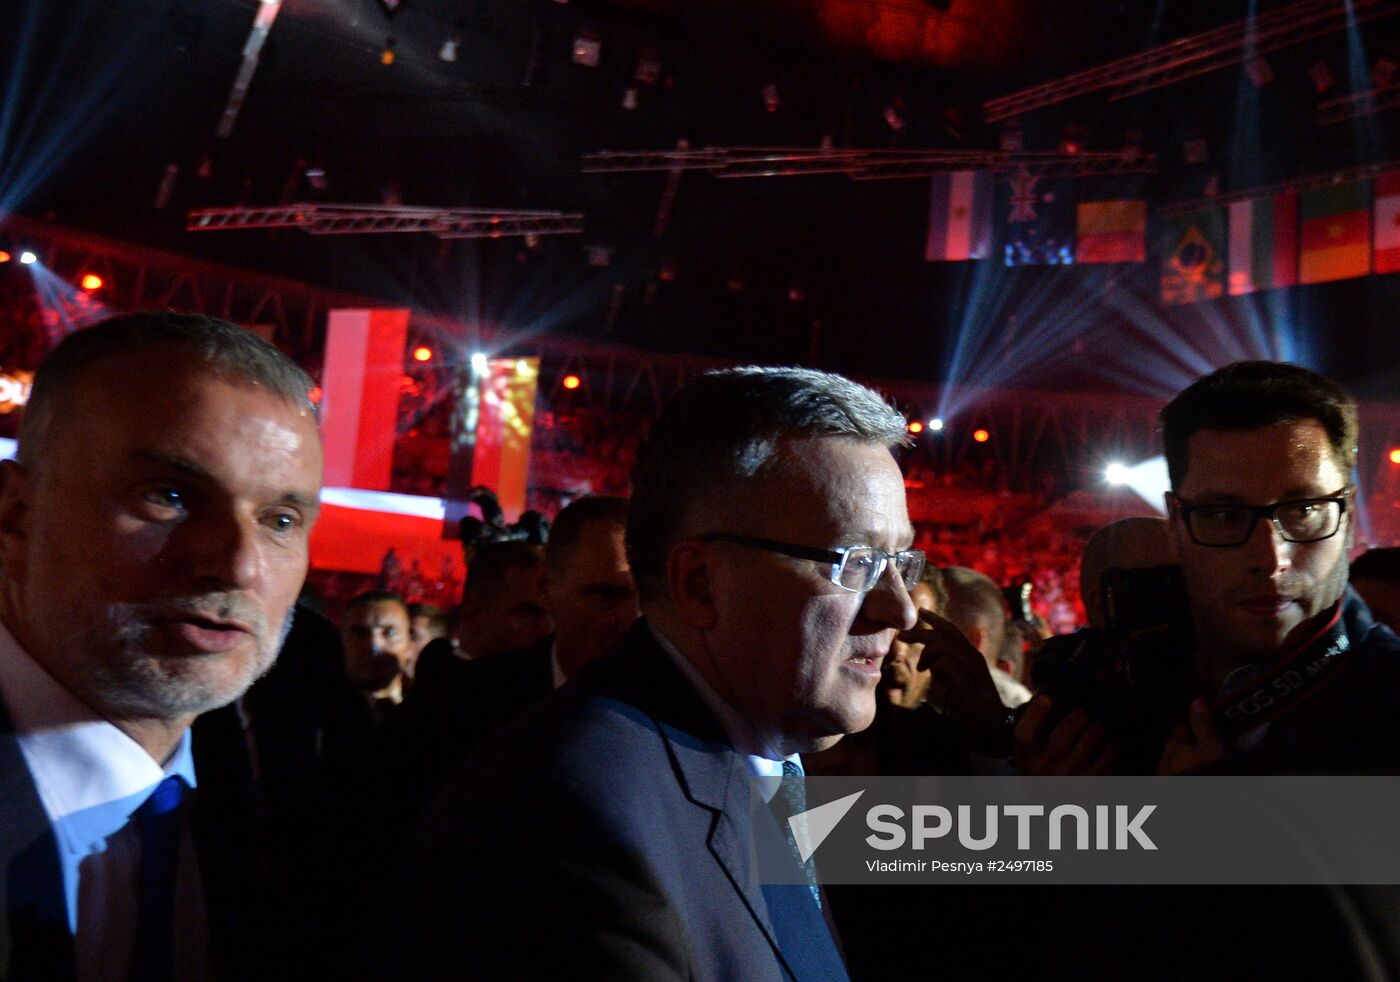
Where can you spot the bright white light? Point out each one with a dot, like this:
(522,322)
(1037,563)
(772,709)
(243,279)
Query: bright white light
(936,425)
(7,448)
(479,365)
(28,258)
(385,501)
(1148,480)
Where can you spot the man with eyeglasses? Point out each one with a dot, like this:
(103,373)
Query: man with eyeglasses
(1293,673)
(608,833)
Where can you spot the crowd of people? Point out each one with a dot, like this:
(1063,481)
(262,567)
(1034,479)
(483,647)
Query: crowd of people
(205,778)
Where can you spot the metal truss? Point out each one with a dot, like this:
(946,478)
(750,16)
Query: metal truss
(1361,104)
(1306,182)
(445,223)
(863,165)
(1196,55)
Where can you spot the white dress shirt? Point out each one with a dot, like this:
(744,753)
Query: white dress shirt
(91,777)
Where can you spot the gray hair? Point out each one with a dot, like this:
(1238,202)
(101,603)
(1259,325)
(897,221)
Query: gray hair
(223,349)
(723,428)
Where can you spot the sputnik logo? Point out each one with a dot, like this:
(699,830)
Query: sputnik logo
(810,828)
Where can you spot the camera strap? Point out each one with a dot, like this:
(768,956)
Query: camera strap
(1287,682)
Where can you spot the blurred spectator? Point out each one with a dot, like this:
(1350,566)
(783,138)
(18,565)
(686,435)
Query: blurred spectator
(426,622)
(977,608)
(374,630)
(1132,543)
(1376,576)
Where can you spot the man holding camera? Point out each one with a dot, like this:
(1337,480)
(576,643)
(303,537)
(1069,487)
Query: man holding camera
(1291,673)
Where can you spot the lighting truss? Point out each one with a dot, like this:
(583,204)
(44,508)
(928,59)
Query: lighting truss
(445,223)
(1366,103)
(863,165)
(1196,55)
(1307,182)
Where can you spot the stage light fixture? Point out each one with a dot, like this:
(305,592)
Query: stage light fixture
(572,382)
(28,258)
(386,57)
(588,49)
(1116,473)
(981,436)
(90,282)
(1395,456)
(772,101)
(479,364)
(5,256)
(422,353)
(315,395)
(935,425)
(630,97)
(448,51)
(916,427)
(391,7)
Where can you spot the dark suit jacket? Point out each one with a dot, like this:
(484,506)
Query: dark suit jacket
(455,706)
(605,835)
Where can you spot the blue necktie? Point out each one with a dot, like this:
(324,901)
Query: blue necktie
(792,800)
(158,821)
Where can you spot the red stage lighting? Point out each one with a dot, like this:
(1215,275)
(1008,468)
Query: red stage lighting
(315,395)
(1395,456)
(916,427)
(422,353)
(572,382)
(981,436)
(91,281)
(5,256)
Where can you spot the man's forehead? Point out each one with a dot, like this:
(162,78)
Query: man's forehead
(1289,459)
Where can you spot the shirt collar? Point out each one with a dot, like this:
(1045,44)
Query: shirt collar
(758,758)
(86,770)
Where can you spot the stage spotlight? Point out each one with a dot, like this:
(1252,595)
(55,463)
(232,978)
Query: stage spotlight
(28,258)
(5,256)
(1116,473)
(1395,456)
(916,427)
(422,353)
(572,382)
(386,57)
(90,282)
(315,395)
(935,425)
(448,51)
(479,364)
(981,436)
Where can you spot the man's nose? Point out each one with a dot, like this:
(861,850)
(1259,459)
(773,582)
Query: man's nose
(227,551)
(1268,551)
(888,602)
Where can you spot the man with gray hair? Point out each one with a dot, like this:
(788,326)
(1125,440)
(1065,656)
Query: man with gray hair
(153,538)
(608,833)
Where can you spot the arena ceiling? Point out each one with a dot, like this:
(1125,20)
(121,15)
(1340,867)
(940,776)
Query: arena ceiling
(103,98)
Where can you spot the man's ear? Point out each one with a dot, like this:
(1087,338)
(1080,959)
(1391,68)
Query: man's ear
(14,514)
(688,583)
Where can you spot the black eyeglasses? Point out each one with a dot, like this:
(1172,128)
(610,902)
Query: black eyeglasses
(854,568)
(1304,520)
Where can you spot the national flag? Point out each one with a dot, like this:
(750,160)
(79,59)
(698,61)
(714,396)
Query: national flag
(1336,232)
(1263,243)
(360,380)
(1038,217)
(1192,269)
(959,216)
(1111,232)
(1387,222)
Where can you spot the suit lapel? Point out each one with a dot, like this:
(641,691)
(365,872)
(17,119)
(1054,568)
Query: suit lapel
(713,776)
(35,942)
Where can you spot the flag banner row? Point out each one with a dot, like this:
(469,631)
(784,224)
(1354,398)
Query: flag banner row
(1318,235)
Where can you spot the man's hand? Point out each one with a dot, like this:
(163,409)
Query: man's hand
(961,687)
(1194,745)
(1075,747)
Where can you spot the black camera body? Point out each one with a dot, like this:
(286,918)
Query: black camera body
(1135,677)
(492,526)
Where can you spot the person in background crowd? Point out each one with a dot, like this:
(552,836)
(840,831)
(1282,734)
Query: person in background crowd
(426,622)
(153,539)
(976,607)
(374,631)
(591,600)
(1375,575)
(1140,542)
